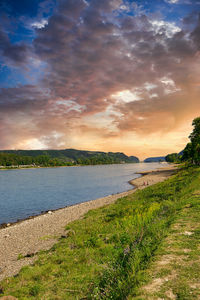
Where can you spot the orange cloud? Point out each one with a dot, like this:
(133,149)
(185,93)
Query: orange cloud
(111,83)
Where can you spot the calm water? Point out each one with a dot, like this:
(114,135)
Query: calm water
(25,193)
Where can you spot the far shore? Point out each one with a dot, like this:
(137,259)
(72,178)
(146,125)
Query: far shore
(27,237)
(36,167)
(4,168)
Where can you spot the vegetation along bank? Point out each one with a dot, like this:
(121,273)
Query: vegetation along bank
(105,254)
(55,158)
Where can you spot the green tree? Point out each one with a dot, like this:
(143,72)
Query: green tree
(192,150)
(173,157)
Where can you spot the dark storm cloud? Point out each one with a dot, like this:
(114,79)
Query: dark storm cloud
(15,54)
(21,99)
(87,53)
(91,55)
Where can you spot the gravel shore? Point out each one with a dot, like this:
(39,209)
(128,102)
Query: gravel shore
(40,233)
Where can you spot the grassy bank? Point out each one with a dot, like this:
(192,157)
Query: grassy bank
(105,254)
(175,270)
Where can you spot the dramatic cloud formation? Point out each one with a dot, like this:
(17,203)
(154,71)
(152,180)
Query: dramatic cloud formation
(112,76)
(16,53)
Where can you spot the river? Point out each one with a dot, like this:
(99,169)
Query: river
(28,192)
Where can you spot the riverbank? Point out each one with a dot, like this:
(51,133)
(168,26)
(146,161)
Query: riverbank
(175,270)
(27,238)
(153,176)
(2,168)
(106,253)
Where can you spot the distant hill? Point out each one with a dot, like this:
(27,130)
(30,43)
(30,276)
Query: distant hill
(154,159)
(71,156)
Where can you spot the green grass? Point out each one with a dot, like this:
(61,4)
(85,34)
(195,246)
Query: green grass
(105,254)
(180,274)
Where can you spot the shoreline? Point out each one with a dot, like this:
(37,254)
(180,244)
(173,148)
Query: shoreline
(48,167)
(51,211)
(27,237)
(132,182)
(39,167)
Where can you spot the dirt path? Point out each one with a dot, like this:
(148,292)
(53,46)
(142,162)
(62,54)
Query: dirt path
(26,238)
(175,272)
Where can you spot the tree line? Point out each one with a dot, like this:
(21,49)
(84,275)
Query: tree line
(9,159)
(191,153)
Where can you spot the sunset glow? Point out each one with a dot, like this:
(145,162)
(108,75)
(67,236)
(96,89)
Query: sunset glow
(107,75)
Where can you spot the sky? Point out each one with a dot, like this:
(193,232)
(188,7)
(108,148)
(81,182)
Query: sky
(107,75)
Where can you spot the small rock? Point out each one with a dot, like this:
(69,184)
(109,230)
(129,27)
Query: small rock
(188,233)
(8,224)
(50,212)
(170,295)
(63,236)
(3,225)
(29,254)
(186,250)
(72,246)
(106,239)
(126,250)
(70,232)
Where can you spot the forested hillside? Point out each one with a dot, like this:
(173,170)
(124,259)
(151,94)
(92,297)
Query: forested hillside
(154,159)
(62,157)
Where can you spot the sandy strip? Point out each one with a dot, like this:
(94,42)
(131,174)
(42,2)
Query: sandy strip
(40,233)
(154,176)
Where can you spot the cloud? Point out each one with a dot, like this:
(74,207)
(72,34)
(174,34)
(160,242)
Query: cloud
(168,28)
(107,75)
(172,1)
(161,114)
(16,54)
(40,24)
